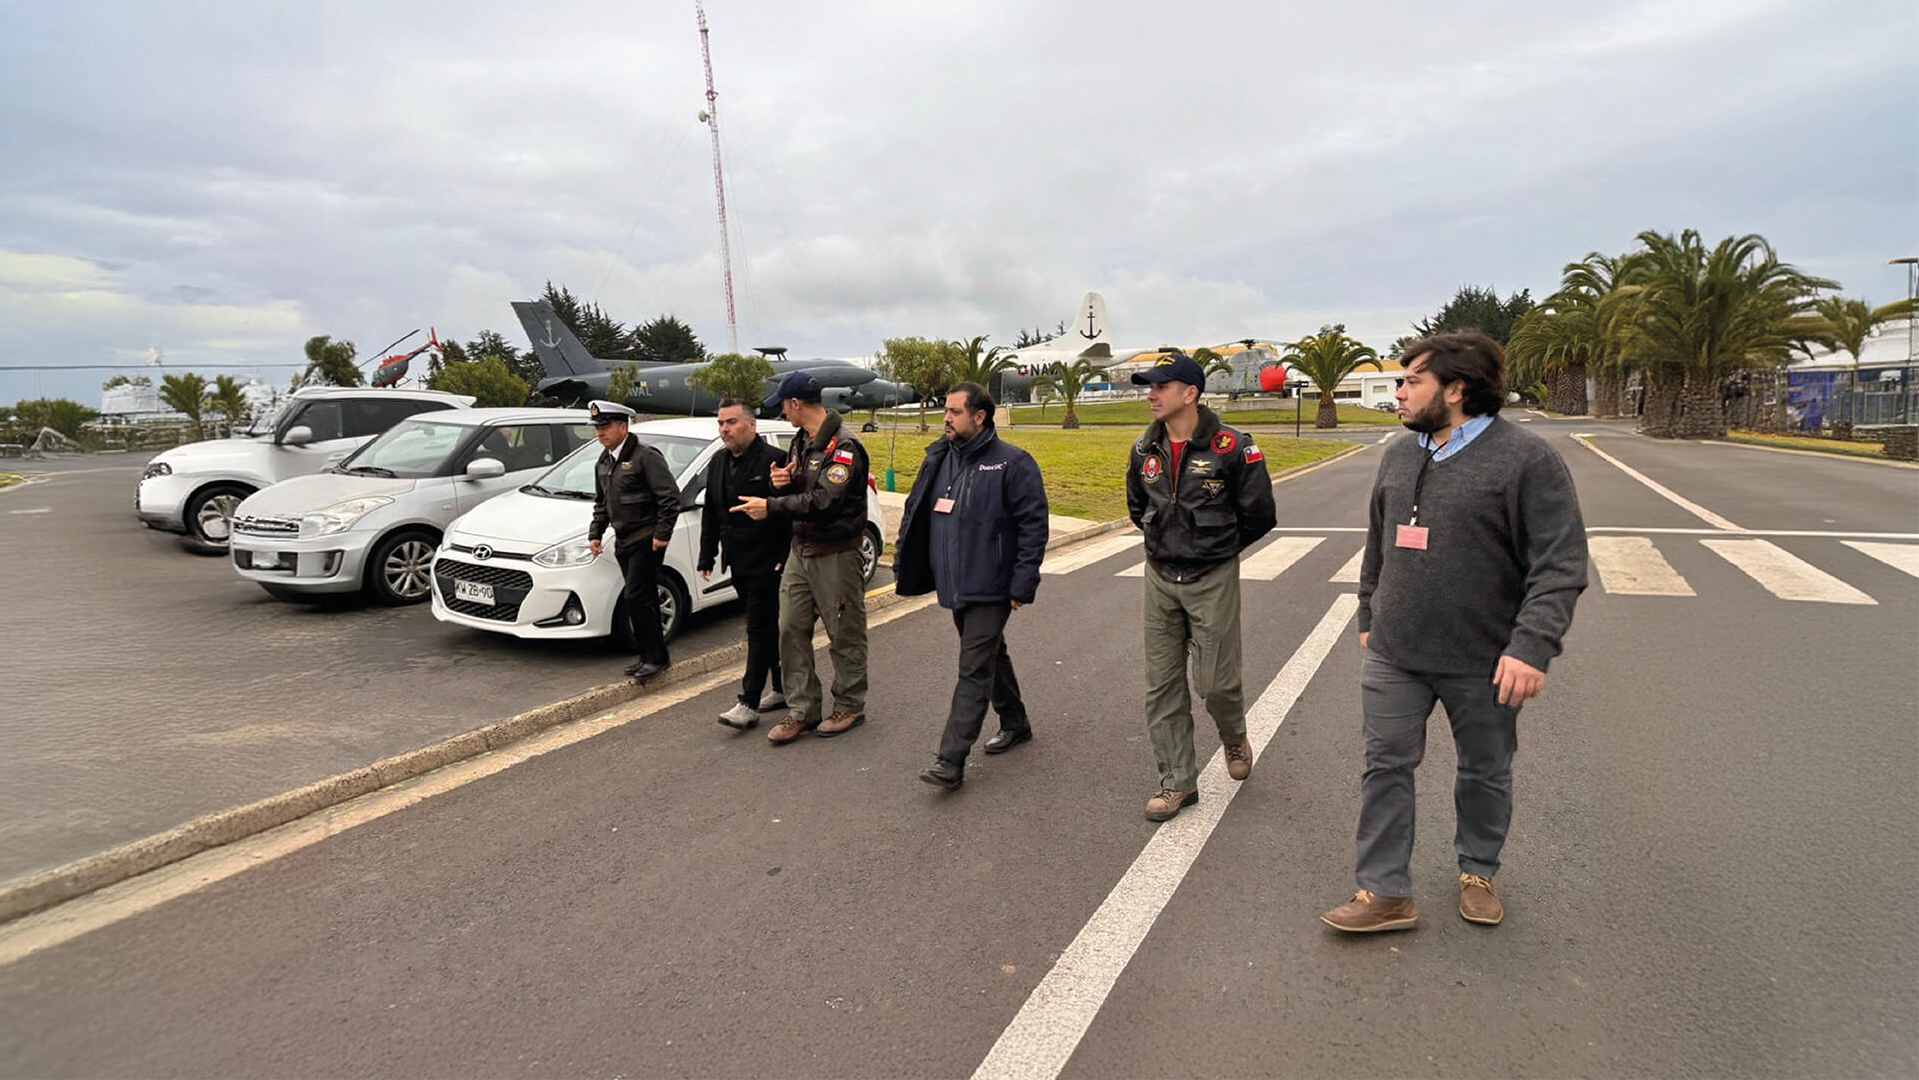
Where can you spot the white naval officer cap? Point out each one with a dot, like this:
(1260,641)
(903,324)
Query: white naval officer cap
(605,412)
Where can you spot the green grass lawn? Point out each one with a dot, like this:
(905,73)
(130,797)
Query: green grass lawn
(1085,470)
(1793,442)
(1260,411)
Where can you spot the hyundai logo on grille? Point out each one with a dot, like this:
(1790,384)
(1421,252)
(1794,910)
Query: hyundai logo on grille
(483,551)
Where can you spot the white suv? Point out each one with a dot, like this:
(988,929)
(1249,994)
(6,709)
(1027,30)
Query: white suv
(193,489)
(519,564)
(372,521)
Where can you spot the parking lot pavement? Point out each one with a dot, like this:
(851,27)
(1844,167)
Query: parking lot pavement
(146,686)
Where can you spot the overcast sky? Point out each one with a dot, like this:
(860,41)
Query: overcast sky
(222,181)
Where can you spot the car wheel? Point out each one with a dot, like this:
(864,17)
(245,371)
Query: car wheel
(674,605)
(870,547)
(210,516)
(400,570)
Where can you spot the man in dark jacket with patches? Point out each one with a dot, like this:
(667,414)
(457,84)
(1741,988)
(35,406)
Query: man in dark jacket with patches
(1199,491)
(975,531)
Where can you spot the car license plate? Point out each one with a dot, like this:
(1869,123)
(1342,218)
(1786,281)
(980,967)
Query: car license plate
(473,591)
(266,560)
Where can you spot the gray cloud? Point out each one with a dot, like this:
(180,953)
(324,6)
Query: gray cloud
(223,180)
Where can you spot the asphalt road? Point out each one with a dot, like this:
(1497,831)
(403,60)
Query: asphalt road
(146,685)
(1709,871)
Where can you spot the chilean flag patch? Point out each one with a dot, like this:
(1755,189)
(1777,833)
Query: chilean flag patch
(844,457)
(1253,454)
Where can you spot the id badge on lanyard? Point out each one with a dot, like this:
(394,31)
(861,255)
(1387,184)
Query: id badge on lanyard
(1412,535)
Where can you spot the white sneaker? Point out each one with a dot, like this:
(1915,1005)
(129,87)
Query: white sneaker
(772,700)
(741,716)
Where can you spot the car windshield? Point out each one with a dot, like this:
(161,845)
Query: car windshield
(574,476)
(411,449)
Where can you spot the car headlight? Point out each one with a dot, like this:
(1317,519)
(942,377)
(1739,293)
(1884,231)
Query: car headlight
(156,468)
(574,552)
(339,517)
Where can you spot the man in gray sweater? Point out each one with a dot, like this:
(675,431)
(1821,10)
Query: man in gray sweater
(1475,554)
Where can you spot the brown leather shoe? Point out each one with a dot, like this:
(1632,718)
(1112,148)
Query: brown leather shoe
(1168,803)
(790,728)
(1478,903)
(1368,913)
(1239,761)
(839,723)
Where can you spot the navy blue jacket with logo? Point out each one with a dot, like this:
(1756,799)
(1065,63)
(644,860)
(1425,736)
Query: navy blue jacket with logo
(996,537)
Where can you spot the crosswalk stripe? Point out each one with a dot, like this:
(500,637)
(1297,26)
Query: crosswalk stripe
(1138,569)
(1277,557)
(1784,574)
(1349,574)
(1898,556)
(1087,554)
(1631,566)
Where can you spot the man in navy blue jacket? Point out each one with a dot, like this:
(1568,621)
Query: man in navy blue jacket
(975,532)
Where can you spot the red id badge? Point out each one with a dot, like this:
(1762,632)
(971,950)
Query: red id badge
(1412,537)
(943,506)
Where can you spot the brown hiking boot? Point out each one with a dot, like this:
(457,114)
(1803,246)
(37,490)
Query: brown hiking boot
(1367,913)
(790,728)
(839,723)
(1239,761)
(1478,903)
(1167,804)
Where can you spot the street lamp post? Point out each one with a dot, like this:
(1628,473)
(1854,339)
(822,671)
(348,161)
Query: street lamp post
(1911,263)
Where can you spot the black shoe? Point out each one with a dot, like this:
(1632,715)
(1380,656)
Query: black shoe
(647,669)
(633,668)
(944,774)
(1006,740)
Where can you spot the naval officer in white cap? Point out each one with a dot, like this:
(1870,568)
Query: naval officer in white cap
(634,492)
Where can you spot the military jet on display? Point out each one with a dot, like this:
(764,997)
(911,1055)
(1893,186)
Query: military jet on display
(575,376)
(1090,338)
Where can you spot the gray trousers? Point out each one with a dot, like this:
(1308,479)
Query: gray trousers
(1197,620)
(1397,704)
(827,589)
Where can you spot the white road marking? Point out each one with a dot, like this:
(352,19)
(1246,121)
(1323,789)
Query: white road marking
(1811,534)
(1349,574)
(62,923)
(1898,556)
(1670,495)
(1089,553)
(1048,1028)
(1277,557)
(1631,566)
(35,510)
(1786,575)
(1137,570)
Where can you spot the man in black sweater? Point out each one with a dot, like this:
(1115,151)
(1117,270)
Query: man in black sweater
(1475,554)
(753,551)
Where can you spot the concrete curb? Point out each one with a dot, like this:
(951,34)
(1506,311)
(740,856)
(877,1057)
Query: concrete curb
(1827,454)
(48,888)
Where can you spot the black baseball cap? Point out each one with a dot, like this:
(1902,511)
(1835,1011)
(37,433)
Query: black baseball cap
(797,384)
(1173,367)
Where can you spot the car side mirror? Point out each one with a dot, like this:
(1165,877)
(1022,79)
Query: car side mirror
(485,468)
(299,435)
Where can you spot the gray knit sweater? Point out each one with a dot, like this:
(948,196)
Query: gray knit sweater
(1505,556)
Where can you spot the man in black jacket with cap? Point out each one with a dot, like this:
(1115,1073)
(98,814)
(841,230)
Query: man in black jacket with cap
(1199,491)
(975,531)
(634,492)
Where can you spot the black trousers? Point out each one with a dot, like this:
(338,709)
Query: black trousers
(985,675)
(640,566)
(761,594)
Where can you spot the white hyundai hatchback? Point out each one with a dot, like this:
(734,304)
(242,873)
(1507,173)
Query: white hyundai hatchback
(518,564)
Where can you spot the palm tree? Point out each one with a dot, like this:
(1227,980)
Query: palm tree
(187,395)
(1564,340)
(1326,358)
(1070,382)
(1688,317)
(228,399)
(1841,322)
(979,364)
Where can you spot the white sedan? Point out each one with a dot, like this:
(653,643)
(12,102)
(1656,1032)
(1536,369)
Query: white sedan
(518,564)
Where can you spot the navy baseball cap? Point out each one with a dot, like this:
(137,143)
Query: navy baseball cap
(1173,367)
(797,384)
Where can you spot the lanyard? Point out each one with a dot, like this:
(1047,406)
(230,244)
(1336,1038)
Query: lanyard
(1419,483)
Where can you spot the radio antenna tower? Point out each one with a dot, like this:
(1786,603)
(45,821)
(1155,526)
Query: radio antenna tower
(711,117)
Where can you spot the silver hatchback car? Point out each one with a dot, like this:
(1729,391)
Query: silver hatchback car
(372,522)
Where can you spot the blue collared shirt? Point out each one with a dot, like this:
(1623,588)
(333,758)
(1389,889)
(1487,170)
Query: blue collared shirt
(1466,433)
